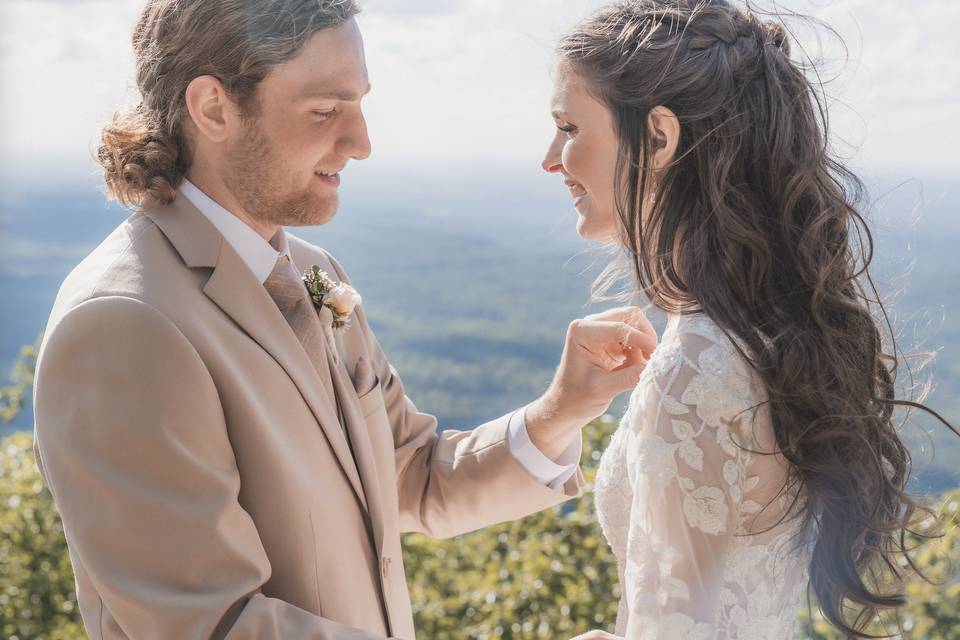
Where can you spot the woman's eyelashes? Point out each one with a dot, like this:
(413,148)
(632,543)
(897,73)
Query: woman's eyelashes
(567,128)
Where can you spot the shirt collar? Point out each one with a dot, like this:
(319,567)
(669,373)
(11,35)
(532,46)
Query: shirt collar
(260,255)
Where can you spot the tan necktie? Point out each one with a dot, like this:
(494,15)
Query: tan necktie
(286,287)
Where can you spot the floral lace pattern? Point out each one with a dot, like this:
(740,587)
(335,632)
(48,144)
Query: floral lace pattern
(689,497)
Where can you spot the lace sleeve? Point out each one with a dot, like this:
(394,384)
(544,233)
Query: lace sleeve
(689,479)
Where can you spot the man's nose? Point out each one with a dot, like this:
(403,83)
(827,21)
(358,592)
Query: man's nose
(355,142)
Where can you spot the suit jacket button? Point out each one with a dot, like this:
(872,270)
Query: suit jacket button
(385,564)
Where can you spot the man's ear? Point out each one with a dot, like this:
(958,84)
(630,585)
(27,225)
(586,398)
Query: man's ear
(665,132)
(213,113)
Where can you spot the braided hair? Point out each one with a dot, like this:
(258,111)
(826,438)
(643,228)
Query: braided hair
(756,224)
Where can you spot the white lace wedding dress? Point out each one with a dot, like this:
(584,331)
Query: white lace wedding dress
(682,506)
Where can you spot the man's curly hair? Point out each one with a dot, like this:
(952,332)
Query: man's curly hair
(143,151)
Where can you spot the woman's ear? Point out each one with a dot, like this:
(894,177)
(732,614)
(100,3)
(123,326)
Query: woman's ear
(665,133)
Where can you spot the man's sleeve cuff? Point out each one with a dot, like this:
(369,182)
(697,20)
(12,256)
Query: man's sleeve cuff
(549,472)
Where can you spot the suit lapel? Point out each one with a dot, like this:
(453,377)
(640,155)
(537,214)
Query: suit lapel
(234,288)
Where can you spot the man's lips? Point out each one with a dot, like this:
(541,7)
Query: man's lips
(333,179)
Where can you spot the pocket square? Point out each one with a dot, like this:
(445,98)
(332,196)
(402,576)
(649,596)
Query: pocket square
(364,379)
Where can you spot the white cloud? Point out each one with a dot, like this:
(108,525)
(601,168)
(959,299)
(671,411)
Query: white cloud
(408,8)
(902,85)
(65,67)
(468,85)
(467,81)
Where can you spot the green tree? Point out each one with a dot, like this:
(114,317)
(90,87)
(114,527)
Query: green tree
(37,597)
(12,397)
(933,609)
(550,575)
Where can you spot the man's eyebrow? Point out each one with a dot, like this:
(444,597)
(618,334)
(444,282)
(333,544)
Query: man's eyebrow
(327,94)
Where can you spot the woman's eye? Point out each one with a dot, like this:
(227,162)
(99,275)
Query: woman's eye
(567,128)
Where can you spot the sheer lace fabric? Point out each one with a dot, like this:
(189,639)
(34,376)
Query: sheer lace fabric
(686,511)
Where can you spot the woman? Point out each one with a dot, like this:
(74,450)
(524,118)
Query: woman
(759,447)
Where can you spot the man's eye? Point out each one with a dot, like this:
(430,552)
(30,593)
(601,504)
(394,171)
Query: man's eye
(324,115)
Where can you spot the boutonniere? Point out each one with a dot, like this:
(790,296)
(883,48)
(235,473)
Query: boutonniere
(340,298)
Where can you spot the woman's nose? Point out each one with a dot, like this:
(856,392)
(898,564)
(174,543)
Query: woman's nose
(550,166)
(551,162)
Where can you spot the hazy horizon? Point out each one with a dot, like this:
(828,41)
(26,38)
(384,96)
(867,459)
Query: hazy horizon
(470,281)
(453,199)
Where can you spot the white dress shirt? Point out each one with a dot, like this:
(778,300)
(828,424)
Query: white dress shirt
(261,256)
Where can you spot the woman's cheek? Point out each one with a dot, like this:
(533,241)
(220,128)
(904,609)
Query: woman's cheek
(575,159)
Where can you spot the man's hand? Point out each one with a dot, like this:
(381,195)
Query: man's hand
(603,356)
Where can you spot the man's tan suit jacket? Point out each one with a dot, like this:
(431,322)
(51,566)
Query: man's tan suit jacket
(206,487)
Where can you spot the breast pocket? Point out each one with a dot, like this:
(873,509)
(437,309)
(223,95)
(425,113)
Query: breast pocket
(380,431)
(374,411)
(372,401)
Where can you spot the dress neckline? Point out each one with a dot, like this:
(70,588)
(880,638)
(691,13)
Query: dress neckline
(673,319)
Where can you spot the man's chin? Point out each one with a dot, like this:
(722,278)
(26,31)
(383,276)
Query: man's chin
(319,213)
(324,217)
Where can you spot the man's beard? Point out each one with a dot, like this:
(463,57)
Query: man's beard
(260,181)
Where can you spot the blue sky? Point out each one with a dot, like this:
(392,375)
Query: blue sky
(466,82)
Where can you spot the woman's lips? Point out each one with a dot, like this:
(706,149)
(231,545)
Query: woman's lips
(576,189)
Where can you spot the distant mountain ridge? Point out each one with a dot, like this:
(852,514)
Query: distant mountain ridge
(470,289)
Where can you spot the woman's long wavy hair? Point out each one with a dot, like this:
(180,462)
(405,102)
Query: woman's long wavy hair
(756,224)
(144,151)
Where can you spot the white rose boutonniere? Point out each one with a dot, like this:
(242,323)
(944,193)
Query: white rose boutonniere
(343,300)
(340,298)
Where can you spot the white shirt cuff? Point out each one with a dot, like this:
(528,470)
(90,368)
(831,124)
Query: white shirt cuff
(554,474)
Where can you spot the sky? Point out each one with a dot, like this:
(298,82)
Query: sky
(467,83)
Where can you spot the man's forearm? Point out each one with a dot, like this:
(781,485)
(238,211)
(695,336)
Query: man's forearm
(548,431)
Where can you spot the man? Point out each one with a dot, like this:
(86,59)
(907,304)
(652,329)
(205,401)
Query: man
(232,456)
